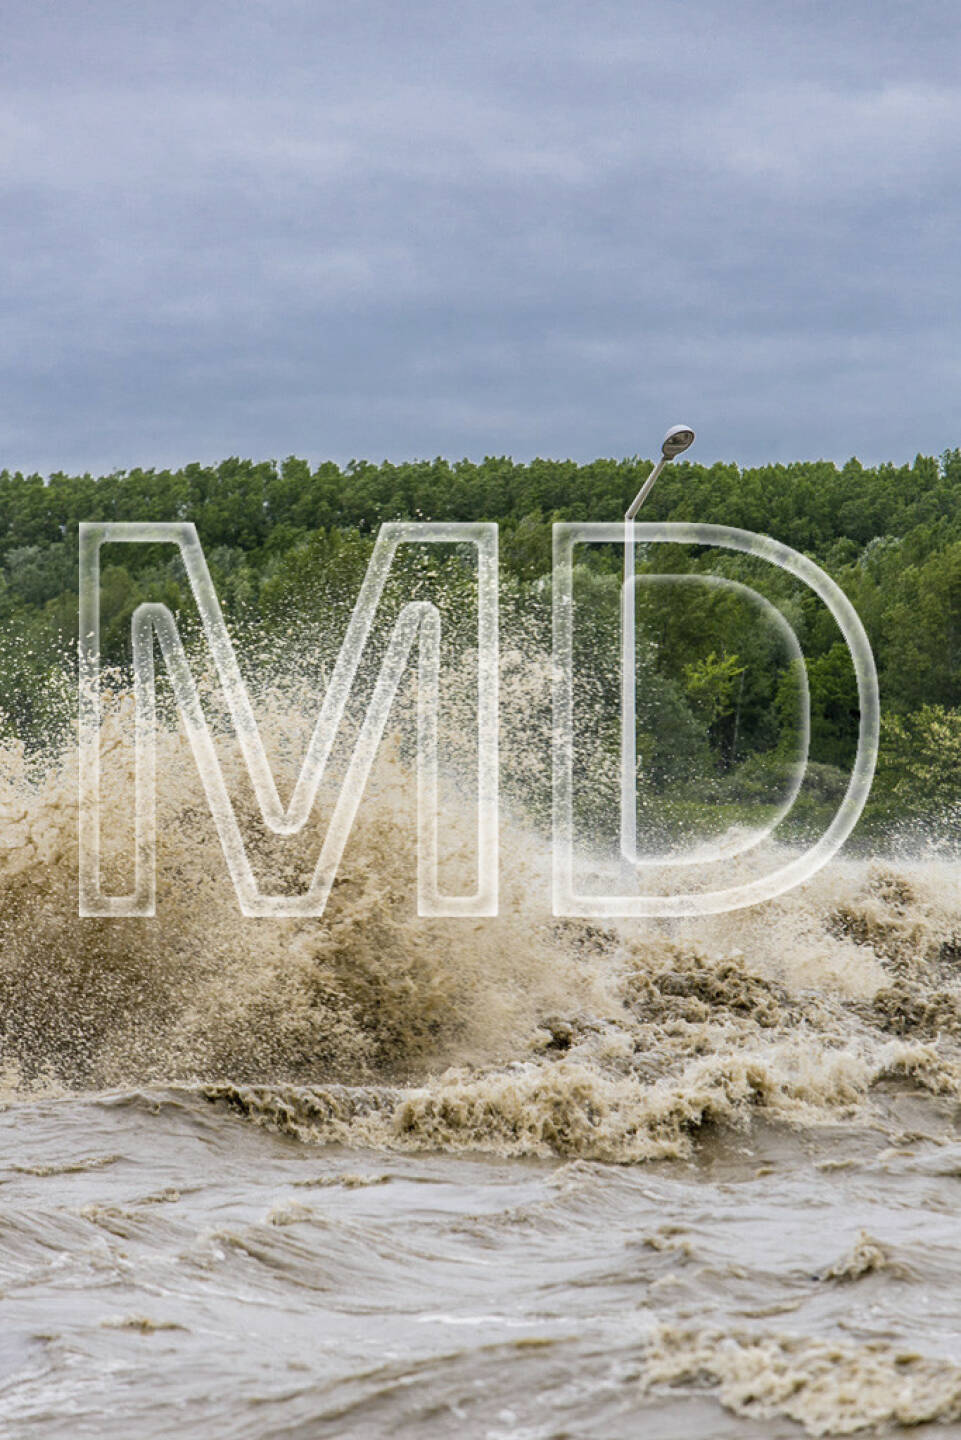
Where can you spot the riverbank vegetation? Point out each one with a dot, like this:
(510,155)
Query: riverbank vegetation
(717,690)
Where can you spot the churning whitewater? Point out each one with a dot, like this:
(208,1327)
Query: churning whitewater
(373,1174)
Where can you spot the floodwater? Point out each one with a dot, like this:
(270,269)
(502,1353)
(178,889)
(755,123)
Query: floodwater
(369,1175)
(169,1268)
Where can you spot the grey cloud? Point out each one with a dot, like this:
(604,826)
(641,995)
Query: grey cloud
(528,228)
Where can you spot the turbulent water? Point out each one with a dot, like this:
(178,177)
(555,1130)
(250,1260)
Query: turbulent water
(375,1175)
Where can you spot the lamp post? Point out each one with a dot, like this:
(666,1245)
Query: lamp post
(675,442)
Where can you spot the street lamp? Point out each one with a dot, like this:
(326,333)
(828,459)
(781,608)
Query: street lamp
(675,442)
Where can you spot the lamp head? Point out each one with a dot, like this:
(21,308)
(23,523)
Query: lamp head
(676,441)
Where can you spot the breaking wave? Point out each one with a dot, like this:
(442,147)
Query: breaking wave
(520,1035)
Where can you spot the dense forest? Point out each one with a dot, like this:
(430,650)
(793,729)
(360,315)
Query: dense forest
(281,537)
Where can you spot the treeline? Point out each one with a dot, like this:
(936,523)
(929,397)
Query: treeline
(265,507)
(890,536)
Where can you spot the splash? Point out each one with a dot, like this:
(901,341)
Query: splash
(518,1034)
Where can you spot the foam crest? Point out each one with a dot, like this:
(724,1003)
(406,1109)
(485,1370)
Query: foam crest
(520,1034)
(828,1387)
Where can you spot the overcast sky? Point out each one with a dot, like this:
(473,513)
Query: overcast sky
(405,228)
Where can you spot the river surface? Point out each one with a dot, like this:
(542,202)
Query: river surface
(519,1178)
(168,1267)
